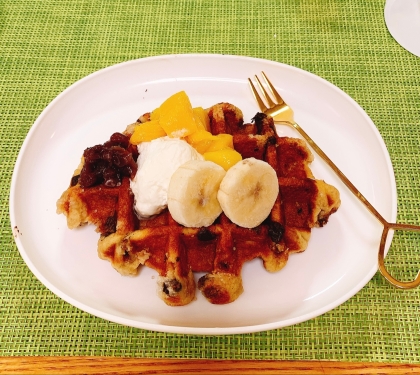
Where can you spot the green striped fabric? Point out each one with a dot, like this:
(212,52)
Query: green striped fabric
(47,45)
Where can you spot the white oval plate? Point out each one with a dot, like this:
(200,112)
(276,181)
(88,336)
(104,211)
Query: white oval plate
(341,257)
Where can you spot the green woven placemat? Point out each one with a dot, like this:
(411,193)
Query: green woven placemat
(47,45)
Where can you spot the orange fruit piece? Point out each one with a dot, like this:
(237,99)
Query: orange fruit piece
(226,158)
(201,140)
(203,145)
(201,118)
(155,114)
(198,136)
(176,116)
(220,142)
(146,132)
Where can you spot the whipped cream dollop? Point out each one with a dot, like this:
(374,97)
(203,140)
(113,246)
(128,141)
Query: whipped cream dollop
(157,162)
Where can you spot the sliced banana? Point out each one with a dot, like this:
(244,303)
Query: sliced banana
(248,192)
(192,193)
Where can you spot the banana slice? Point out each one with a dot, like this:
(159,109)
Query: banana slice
(192,193)
(248,192)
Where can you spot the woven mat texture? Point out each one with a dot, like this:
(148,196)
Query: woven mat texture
(46,45)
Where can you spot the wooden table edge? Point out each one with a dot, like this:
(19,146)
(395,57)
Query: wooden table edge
(121,365)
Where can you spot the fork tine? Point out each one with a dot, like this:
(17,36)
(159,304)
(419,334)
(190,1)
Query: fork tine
(273,90)
(261,104)
(265,93)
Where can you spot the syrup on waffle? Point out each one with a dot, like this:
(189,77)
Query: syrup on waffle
(220,250)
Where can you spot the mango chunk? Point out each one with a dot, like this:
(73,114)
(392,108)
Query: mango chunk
(204,141)
(146,132)
(198,136)
(201,140)
(155,114)
(220,142)
(226,158)
(176,116)
(203,145)
(201,118)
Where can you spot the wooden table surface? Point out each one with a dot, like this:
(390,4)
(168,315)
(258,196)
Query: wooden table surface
(46,46)
(125,366)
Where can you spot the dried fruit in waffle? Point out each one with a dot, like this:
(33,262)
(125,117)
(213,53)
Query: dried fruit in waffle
(220,249)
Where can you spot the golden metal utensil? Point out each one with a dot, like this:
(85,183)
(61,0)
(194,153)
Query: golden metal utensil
(283,114)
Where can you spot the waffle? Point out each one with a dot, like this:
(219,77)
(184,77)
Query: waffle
(220,250)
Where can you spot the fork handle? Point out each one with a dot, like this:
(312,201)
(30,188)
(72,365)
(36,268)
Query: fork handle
(387,226)
(381,257)
(340,174)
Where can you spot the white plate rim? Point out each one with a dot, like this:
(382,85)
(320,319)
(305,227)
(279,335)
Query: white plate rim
(186,329)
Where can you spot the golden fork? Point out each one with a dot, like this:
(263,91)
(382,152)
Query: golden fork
(283,114)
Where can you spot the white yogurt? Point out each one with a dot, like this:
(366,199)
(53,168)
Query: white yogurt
(157,161)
